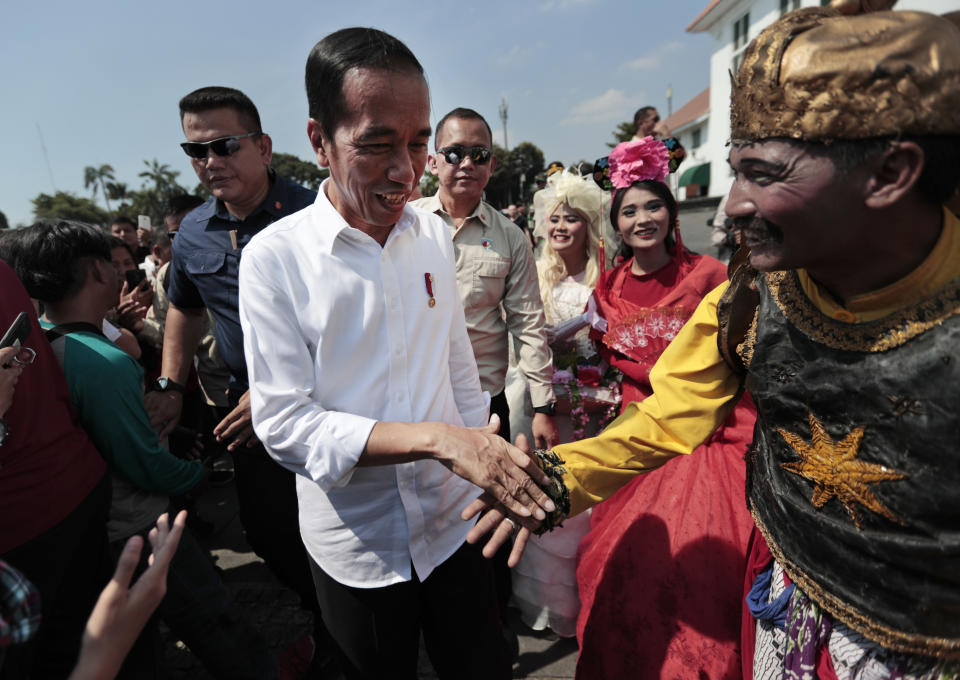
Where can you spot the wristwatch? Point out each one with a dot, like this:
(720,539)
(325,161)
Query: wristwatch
(547,409)
(165,384)
(4,430)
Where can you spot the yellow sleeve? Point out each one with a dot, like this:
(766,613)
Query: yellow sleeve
(694,391)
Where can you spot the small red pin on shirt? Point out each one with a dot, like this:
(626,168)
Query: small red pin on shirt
(428,280)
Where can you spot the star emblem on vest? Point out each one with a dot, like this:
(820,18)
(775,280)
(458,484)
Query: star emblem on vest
(836,471)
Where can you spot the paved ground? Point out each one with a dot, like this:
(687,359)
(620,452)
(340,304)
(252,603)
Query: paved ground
(273,609)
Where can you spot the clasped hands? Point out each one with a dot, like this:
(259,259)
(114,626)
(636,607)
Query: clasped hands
(510,510)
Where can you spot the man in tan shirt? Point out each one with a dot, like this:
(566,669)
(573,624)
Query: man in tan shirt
(495,268)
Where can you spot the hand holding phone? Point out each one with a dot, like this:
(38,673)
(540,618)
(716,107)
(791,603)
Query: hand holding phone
(17,333)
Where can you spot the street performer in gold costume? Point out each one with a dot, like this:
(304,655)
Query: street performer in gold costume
(842,320)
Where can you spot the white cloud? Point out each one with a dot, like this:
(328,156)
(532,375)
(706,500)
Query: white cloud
(610,106)
(652,60)
(551,5)
(515,55)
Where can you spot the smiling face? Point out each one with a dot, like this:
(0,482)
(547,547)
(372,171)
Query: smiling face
(239,180)
(567,231)
(791,208)
(378,150)
(467,180)
(643,220)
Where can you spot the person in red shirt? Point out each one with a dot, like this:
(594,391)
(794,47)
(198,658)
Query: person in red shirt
(54,498)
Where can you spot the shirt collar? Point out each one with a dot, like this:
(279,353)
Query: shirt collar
(330,224)
(434,205)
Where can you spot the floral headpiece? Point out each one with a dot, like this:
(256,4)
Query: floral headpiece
(577,192)
(638,160)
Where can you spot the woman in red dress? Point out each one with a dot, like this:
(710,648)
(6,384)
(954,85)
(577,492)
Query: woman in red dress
(660,573)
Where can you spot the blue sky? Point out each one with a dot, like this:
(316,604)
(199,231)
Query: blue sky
(101,80)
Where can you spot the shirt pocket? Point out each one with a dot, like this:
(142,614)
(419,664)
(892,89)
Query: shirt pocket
(489,281)
(205,262)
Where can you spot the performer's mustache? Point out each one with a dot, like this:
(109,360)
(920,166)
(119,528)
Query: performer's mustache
(756,228)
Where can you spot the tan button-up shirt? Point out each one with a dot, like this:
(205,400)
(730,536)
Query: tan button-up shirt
(495,268)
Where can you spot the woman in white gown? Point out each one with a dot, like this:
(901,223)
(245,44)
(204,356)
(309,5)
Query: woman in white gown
(568,213)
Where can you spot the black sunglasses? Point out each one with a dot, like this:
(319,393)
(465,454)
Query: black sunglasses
(224,146)
(457,154)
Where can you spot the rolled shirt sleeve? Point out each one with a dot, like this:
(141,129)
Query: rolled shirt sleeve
(319,444)
(523,309)
(694,391)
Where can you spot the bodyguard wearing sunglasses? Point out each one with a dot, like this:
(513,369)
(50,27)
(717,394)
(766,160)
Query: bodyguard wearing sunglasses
(495,266)
(231,155)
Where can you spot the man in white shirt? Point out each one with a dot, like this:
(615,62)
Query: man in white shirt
(362,376)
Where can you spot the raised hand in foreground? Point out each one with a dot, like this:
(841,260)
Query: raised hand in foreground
(121,610)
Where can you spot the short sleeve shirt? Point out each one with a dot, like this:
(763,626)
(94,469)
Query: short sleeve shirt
(204,271)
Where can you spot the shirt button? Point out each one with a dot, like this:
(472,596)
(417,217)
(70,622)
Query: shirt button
(397,352)
(844,315)
(399,397)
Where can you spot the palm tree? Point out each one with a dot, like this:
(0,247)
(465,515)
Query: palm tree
(164,179)
(118,191)
(96,178)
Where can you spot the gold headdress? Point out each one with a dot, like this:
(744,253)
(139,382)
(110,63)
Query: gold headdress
(817,75)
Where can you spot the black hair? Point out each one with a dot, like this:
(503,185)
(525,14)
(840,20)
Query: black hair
(52,257)
(462,114)
(181,203)
(117,242)
(643,113)
(216,97)
(161,237)
(349,48)
(123,219)
(662,191)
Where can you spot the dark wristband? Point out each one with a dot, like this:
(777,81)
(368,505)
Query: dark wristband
(547,409)
(167,385)
(552,465)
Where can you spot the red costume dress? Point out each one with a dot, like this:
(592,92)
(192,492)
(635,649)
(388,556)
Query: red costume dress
(660,572)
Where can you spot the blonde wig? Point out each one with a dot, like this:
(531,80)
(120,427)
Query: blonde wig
(582,196)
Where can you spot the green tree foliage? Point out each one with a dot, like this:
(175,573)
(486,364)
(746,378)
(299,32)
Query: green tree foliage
(64,205)
(3,221)
(159,185)
(303,172)
(96,178)
(624,133)
(513,179)
(429,183)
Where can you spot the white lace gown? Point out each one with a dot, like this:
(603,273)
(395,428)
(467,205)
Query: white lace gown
(545,580)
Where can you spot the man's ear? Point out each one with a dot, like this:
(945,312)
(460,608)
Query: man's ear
(265,144)
(493,163)
(894,174)
(432,164)
(96,271)
(319,142)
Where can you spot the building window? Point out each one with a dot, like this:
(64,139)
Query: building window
(696,138)
(789,6)
(740,29)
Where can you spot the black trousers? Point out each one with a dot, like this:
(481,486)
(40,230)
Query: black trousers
(377,629)
(267,496)
(502,576)
(498,405)
(269,513)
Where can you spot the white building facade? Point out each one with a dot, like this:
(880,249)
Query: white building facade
(732,24)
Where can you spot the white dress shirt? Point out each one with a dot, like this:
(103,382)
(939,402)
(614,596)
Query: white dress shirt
(338,334)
